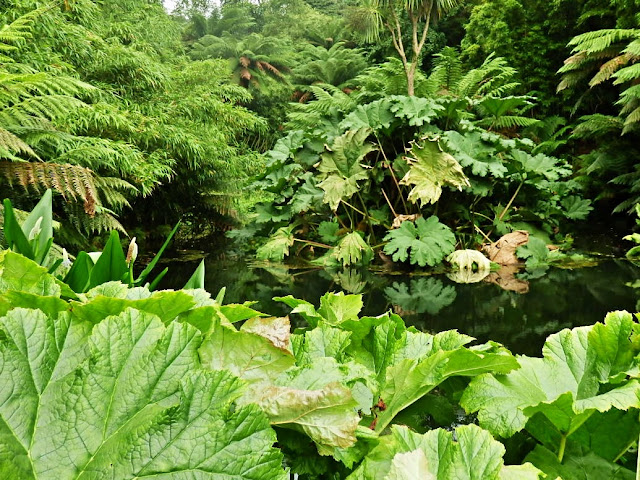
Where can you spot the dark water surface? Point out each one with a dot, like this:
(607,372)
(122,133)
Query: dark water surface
(555,299)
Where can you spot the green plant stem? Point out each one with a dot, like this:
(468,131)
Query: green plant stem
(344,204)
(315,244)
(355,209)
(369,217)
(389,202)
(513,197)
(563,444)
(511,200)
(393,175)
(482,233)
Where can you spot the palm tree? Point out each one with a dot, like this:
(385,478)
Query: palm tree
(253,59)
(372,16)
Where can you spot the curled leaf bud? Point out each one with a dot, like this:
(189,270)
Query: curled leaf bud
(35,231)
(66,262)
(132,253)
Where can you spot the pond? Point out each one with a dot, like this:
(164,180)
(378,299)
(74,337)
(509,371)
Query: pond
(538,303)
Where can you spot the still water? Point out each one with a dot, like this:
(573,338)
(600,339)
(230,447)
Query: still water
(534,305)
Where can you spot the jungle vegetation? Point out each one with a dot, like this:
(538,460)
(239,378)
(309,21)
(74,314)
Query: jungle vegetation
(338,133)
(335,130)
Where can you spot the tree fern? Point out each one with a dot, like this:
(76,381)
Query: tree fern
(615,55)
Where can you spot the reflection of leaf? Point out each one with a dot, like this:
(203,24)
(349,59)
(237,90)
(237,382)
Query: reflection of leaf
(351,280)
(430,169)
(469,453)
(428,241)
(424,295)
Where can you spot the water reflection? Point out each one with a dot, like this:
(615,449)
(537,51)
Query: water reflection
(497,308)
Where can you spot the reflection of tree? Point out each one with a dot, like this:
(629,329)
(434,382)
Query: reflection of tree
(424,295)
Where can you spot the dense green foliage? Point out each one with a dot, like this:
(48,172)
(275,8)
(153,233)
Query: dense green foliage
(123,109)
(151,375)
(336,132)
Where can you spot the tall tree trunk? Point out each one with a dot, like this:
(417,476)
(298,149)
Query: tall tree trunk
(411,75)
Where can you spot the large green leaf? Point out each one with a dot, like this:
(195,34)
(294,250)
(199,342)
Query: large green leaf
(277,247)
(352,250)
(429,169)
(167,305)
(428,242)
(23,275)
(374,115)
(468,454)
(247,354)
(473,152)
(341,168)
(564,385)
(409,379)
(541,165)
(111,265)
(133,403)
(315,398)
(416,110)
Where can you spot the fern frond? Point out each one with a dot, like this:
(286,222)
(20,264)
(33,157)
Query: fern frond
(19,30)
(608,69)
(10,144)
(597,125)
(627,74)
(599,40)
(632,121)
(68,180)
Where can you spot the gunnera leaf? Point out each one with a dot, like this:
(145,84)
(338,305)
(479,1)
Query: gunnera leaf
(277,247)
(352,250)
(470,453)
(429,170)
(132,403)
(426,242)
(23,275)
(374,115)
(340,167)
(564,385)
(474,153)
(314,398)
(416,110)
